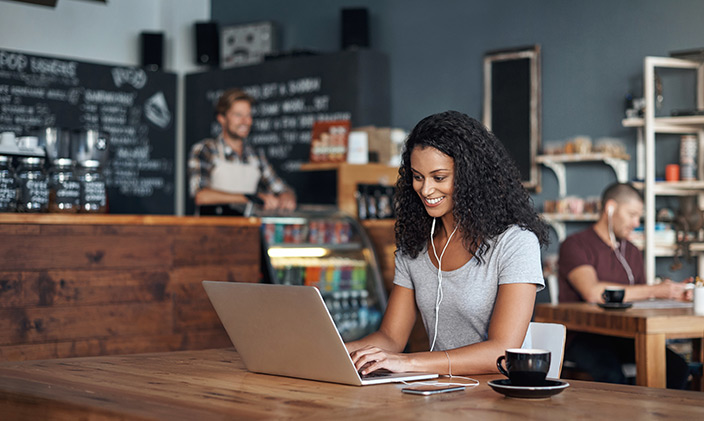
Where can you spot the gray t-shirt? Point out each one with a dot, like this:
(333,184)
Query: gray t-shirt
(469,293)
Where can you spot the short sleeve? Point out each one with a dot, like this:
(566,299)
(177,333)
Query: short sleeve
(519,258)
(572,255)
(402,274)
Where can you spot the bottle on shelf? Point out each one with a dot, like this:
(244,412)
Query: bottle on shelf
(64,187)
(688,158)
(34,185)
(9,185)
(93,190)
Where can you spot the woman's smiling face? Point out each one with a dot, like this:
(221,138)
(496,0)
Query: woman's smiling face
(433,179)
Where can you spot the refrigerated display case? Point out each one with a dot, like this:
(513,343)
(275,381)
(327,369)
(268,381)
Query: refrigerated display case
(331,251)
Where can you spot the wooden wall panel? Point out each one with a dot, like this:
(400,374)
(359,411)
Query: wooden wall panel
(225,246)
(192,309)
(190,274)
(19,230)
(83,286)
(83,252)
(51,323)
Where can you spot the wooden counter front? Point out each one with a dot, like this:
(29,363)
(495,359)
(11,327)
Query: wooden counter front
(83,285)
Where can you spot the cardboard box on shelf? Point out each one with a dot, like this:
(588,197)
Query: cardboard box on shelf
(329,141)
(381,144)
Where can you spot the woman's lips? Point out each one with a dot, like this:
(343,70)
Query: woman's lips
(435,201)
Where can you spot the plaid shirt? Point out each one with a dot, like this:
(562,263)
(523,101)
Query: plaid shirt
(202,160)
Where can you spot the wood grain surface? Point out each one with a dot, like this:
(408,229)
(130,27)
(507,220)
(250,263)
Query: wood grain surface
(350,175)
(649,327)
(81,285)
(213,384)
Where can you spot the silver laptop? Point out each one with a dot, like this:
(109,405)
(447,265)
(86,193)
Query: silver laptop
(287,330)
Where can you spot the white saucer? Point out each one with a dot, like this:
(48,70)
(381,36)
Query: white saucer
(615,306)
(551,387)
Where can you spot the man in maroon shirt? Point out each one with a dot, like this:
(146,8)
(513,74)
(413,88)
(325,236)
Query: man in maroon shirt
(601,256)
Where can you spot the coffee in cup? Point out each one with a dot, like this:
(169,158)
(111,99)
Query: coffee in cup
(613,295)
(525,367)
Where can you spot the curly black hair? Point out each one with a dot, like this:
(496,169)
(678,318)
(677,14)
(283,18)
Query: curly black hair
(488,194)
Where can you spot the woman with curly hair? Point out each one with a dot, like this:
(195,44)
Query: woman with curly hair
(468,253)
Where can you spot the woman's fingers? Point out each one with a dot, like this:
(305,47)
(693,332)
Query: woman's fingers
(366,358)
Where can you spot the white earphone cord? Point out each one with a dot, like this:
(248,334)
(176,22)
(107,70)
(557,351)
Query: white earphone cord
(618,253)
(438,300)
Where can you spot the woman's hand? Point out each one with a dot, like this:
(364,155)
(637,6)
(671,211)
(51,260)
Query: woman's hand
(372,358)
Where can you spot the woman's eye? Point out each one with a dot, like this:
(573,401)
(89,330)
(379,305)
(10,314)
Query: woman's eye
(417,177)
(439,179)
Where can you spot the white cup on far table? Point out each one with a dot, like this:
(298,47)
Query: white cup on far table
(698,298)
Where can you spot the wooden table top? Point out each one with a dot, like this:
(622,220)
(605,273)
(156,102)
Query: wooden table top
(213,384)
(673,322)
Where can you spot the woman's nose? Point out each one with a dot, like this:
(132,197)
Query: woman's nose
(428,188)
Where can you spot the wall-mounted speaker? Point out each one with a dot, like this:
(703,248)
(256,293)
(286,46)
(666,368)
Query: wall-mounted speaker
(207,43)
(355,28)
(50,3)
(152,50)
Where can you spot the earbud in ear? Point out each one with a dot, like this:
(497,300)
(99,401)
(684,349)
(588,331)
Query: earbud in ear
(610,210)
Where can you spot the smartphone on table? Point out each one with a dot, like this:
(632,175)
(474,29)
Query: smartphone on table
(431,389)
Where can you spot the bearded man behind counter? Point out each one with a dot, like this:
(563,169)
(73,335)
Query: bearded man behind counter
(225,169)
(602,256)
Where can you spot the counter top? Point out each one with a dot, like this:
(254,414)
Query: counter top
(107,219)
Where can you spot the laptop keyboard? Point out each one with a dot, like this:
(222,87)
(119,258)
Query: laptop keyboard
(377,373)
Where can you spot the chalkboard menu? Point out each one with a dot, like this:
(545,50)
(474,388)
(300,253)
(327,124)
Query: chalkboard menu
(291,94)
(134,107)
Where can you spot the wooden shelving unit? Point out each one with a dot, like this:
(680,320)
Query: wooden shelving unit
(618,163)
(648,127)
(349,175)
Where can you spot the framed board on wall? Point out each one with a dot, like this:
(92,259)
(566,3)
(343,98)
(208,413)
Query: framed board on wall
(512,106)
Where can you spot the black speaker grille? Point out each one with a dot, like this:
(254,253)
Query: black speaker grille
(207,43)
(355,28)
(152,50)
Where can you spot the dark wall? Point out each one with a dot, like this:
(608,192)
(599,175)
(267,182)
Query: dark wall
(592,55)
(592,51)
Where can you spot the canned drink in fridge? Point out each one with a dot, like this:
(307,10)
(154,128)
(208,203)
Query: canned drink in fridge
(688,158)
(288,234)
(312,232)
(270,233)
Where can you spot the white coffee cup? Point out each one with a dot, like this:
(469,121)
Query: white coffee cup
(7,139)
(27,142)
(698,300)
